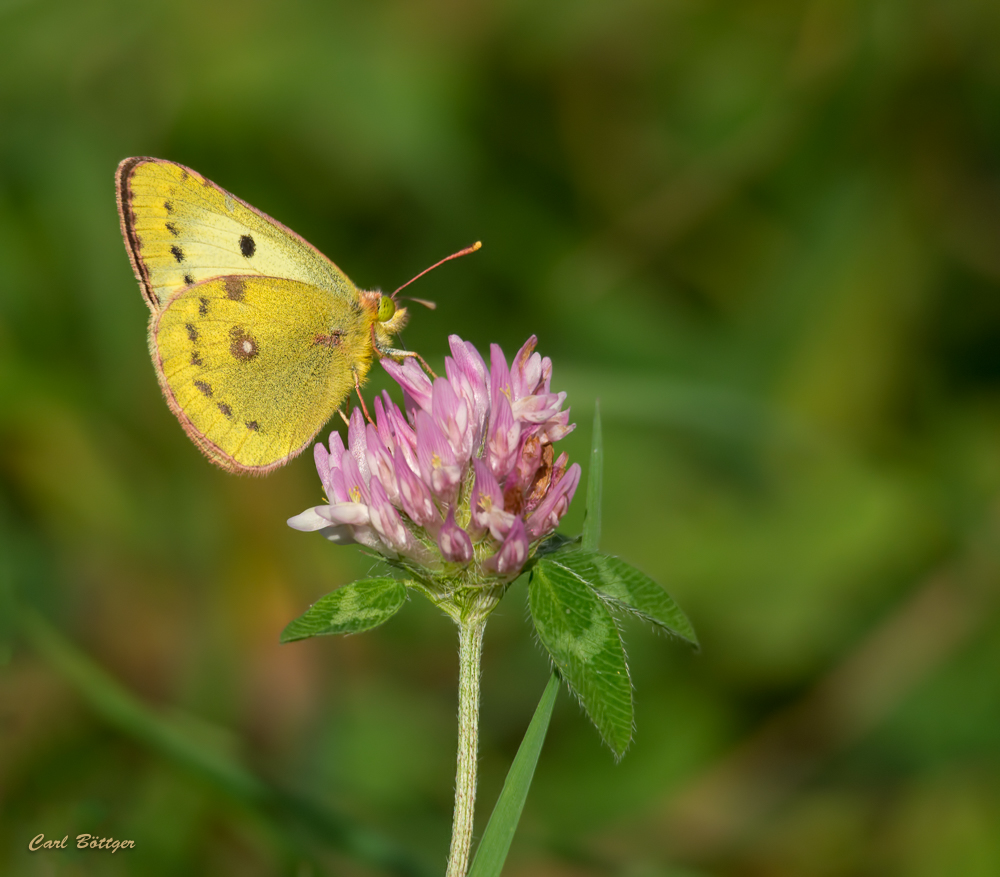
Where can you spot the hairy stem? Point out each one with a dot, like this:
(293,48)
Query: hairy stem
(470,650)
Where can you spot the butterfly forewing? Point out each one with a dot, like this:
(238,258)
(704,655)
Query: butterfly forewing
(254,366)
(181,229)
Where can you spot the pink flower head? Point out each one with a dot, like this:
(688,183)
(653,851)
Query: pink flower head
(466,477)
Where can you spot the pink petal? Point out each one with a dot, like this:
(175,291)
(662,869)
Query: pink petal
(538,409)
(328,461)
(451,414)
(339,487)
(468,360)
(528,460)
(439,469)
(501,444)
(406,438)
(414,497)
(343,534)
(454,542)
(525,370)
(383,427)
(386,520)
(546,378)
(499,380)
(410,376)
(510,557)
(556,428)
(380,463)
(468,374)
(354,483)
(322,457)
(357,443)
(486,504)
(550,510)
(345,513)
(308,521)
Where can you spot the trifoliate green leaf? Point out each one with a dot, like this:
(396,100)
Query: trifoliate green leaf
(627,588)
(580,635)
(353,608)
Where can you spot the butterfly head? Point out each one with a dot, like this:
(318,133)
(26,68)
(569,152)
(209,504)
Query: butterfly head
(386,308)
(387,319)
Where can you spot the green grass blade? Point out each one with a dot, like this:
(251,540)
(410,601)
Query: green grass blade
(595,479)
(492,850)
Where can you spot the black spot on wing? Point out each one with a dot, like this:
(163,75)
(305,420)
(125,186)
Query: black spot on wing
(234,288)
(188,280)
(203,306)
(253,426)
(243,345)
(172,228)
(195,358)
(247,245)
(168,207)
(206,389)
(178,253)
(192,332)
(225,409)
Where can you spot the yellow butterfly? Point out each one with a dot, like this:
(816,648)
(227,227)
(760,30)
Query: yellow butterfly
(257,337)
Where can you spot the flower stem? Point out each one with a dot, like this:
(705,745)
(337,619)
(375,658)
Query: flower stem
(470,650)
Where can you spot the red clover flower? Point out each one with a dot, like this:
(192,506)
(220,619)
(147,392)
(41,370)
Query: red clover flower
(463,487)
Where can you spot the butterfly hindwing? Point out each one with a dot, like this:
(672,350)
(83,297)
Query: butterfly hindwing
(254,366)
(181,229)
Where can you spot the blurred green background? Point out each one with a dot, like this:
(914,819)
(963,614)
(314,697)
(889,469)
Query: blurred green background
(765,234)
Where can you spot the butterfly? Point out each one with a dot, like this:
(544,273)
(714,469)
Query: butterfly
(257,338)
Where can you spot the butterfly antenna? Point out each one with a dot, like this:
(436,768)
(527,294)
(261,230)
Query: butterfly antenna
(464,252)
(431,306)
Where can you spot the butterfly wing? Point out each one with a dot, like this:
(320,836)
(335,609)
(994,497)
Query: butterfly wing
(181,229)
(254,366)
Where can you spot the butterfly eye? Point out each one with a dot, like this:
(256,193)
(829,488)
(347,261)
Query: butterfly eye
(386,308)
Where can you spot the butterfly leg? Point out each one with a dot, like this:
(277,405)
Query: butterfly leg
(361,399)
(396,353)
(404,354)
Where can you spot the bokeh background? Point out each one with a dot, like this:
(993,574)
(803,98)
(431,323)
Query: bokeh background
(765,234)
